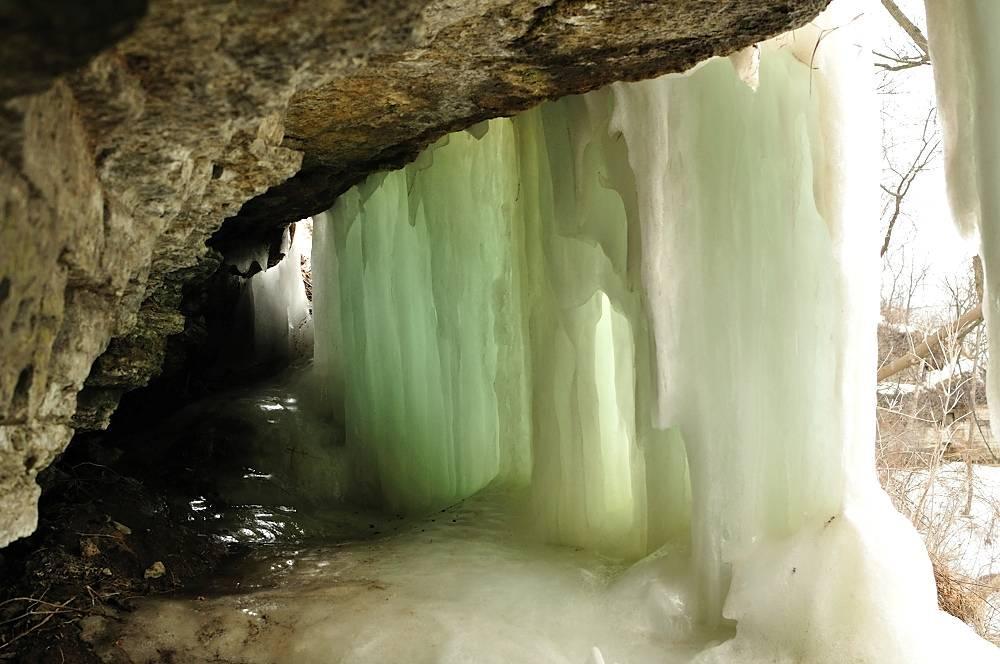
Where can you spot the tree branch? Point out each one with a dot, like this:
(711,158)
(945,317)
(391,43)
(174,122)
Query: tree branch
(908,26)
(929,146)
(900,61)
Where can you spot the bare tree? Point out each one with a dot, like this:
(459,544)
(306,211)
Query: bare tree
(898,178)
(903,275)
(928,150)
(964,291)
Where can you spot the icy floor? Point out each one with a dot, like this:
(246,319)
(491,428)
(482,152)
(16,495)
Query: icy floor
(458,586)
(316,581)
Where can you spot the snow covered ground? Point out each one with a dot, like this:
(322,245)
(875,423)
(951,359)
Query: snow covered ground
(961,530)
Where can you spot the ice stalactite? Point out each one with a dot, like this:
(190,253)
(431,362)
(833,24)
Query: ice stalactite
(655,303)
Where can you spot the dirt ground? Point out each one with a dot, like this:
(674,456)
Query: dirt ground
(103,539)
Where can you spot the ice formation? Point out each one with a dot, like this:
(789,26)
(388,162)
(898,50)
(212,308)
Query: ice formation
(962,37)
(277,302)
(654,304)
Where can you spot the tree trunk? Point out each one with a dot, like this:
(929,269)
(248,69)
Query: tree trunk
(968,322)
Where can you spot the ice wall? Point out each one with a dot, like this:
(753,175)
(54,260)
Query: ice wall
(667,291)
(415,287)
(490,325)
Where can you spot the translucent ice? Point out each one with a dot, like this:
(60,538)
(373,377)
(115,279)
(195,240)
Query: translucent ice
(656,305)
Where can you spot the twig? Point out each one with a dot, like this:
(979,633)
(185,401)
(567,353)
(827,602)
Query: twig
(823,34)
(62,608)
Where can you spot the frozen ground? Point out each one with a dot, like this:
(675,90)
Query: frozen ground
(458,586)
(316,581)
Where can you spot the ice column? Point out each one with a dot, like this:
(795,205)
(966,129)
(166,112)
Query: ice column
(592,370)
(759,238)
(754,307)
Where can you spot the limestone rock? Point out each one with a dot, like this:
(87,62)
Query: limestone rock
(155,571)
(45,39)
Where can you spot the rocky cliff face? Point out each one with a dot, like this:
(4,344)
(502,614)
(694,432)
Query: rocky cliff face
(114,176)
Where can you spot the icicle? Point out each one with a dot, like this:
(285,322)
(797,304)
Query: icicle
(747,64)
(328,354)
(595,656)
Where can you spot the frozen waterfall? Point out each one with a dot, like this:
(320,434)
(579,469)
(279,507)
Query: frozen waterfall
(654,305)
